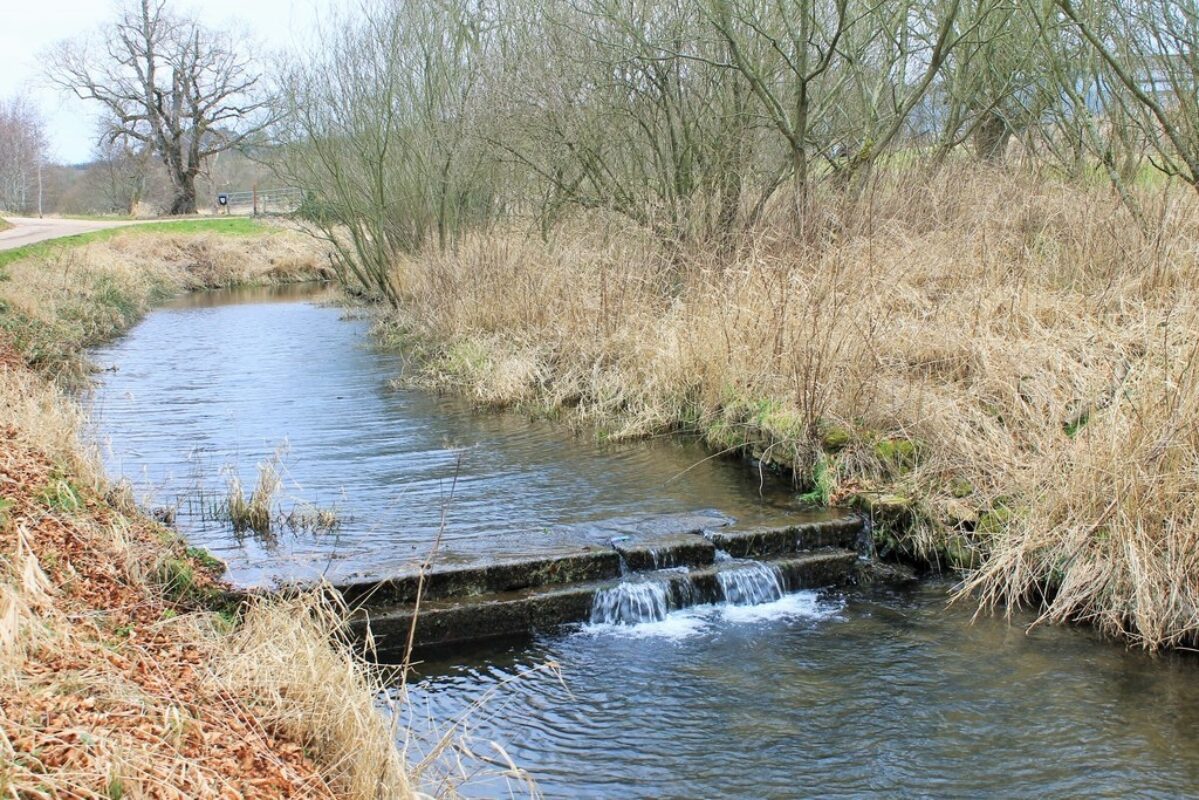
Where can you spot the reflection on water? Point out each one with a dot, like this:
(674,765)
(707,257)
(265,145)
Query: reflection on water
(222,380)
(877,694)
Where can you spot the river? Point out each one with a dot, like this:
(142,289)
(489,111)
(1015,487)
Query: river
(878,691)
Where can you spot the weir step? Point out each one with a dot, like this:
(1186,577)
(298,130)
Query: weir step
(836,531)
(592,558)
(473,618)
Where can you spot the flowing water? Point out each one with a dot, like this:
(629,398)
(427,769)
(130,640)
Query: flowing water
(878,693)
(762,694)
(215,383)
(651,597)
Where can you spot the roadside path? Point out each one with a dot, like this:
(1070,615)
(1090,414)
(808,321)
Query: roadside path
(28,230)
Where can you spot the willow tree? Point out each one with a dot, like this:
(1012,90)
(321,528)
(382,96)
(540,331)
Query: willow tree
(378,130)
(166,81)
(624,106)
(1151,71)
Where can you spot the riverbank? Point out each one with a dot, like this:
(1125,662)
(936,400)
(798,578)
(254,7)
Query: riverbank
(123,672)
(1000,367)
(59,297)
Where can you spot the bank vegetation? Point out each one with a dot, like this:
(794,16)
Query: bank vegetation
(125,668)
(936,259)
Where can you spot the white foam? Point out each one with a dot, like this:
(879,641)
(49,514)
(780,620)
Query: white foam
(805,605)
(680,624)
(688,622)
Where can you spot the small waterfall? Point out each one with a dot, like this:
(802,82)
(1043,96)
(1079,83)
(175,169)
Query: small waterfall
(866,549)
(751,585)
(738,583)
(631,602)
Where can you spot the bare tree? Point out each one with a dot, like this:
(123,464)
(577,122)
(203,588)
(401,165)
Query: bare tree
(22,152)
(164,80)
(418,122)
(1151,76)
(627,106)
(378,131)
(124,170)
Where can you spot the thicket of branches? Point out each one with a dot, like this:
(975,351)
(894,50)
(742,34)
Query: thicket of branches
(412,122)
(22,151)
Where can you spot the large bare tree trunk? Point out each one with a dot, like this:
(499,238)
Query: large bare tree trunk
(184,201)
(168,83)
(991,137)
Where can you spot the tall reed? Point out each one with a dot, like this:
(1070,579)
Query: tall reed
(997,362)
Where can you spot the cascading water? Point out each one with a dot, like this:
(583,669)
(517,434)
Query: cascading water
(751,584)
(740,583)
(631,602)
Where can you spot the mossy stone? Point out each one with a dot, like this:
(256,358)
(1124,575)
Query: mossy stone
(960,513)
(835,439)
(995,520)
(901,453)
(961,554)
(888,506)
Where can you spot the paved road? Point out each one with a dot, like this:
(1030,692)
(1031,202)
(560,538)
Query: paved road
(27,230)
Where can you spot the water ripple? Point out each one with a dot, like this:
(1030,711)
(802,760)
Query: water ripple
(220,382)
(880,694)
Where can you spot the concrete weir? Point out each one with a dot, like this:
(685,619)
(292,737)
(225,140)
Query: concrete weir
(663,563)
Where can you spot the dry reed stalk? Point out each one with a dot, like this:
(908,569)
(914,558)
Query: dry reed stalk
(112,682)
(303,678)
(930,346)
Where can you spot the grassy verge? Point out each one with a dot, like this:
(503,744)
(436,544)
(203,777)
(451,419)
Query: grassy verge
(226,226)
(4,224)
(1002,369)
(122,671)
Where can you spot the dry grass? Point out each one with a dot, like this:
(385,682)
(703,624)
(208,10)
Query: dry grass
(317,693)
(117,679)
(256,513)
(1001,366)
(106,679)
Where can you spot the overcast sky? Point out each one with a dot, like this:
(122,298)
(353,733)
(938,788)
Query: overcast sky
(28,27)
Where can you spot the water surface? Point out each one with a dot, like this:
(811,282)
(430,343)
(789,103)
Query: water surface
(218,382)
(881,693)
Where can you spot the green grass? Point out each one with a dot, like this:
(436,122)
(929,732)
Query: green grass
(61,494)
(225,226)
(207,560)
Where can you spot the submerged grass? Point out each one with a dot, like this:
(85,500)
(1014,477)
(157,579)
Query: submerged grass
(1000,366)
(261,513)
(124,671)
(256,513)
